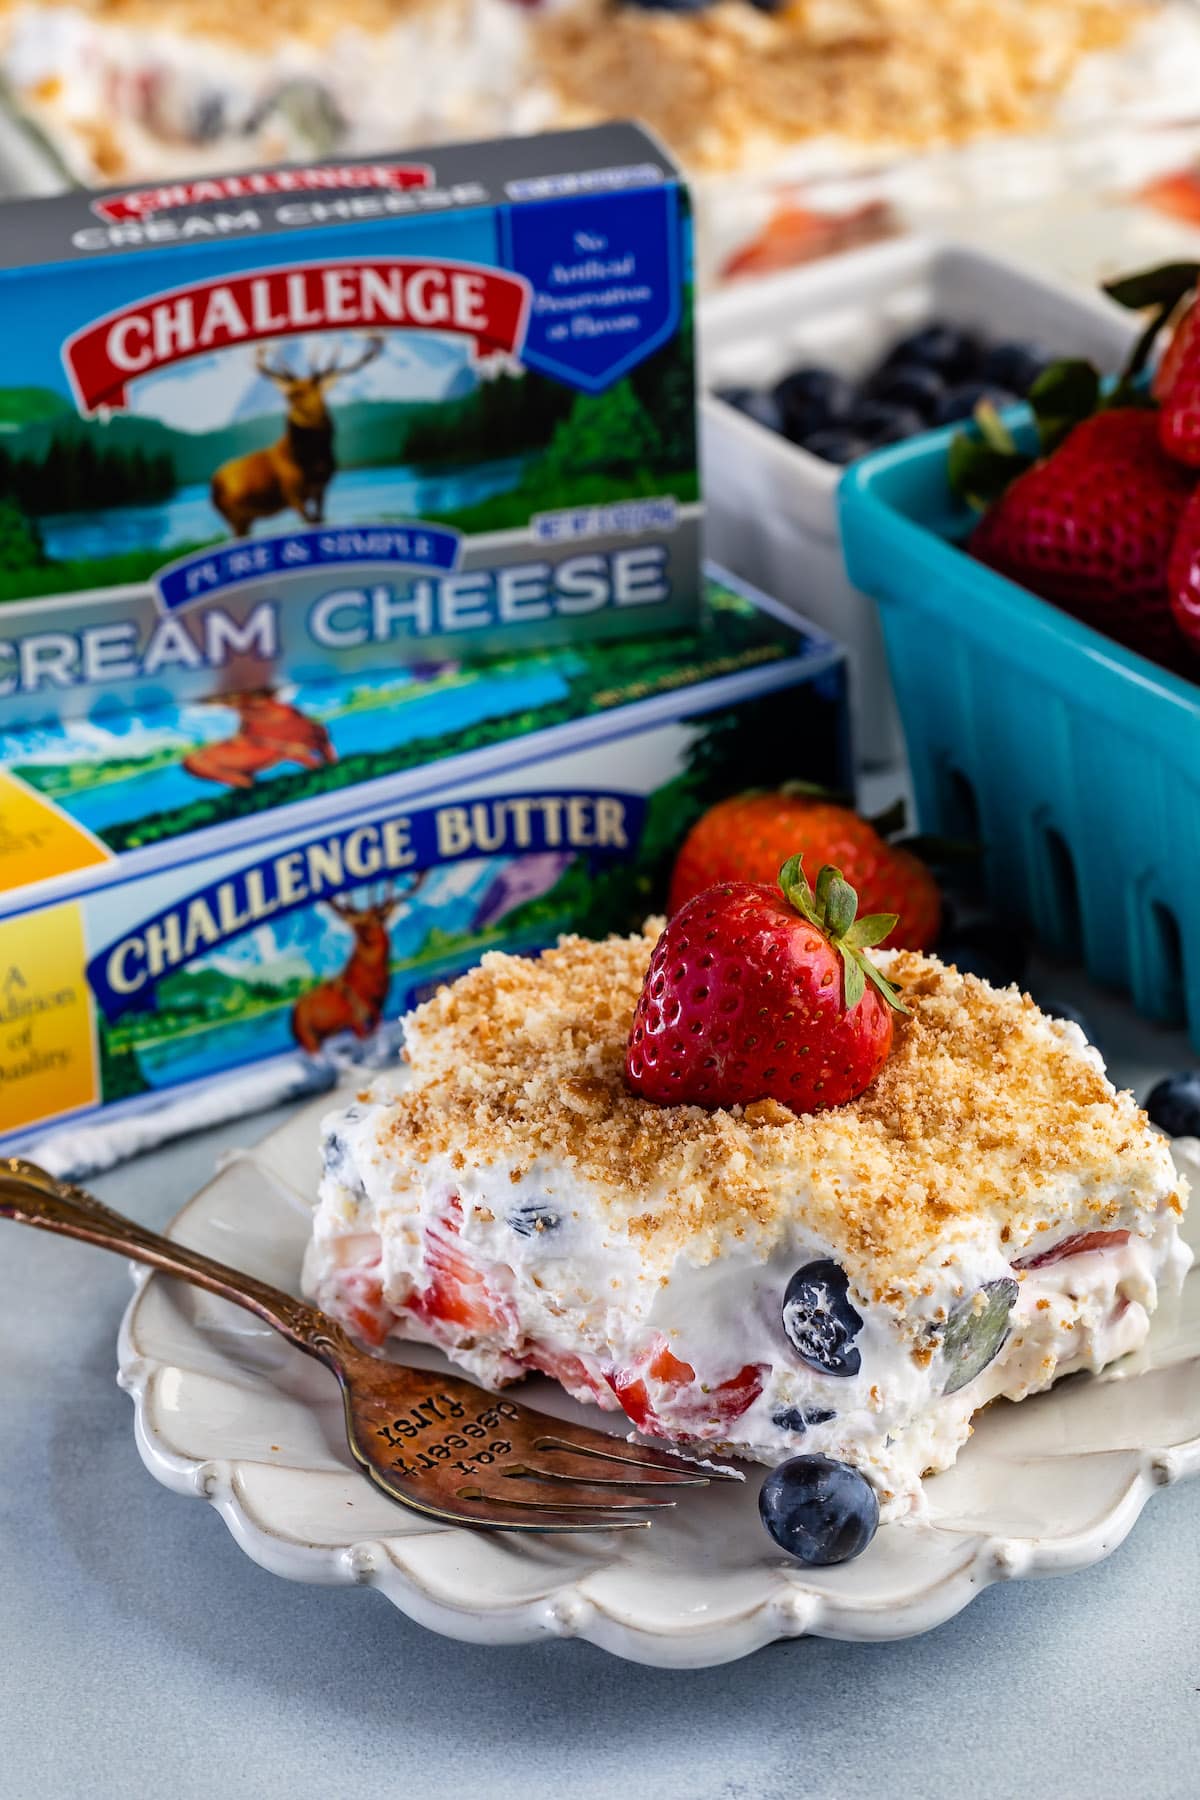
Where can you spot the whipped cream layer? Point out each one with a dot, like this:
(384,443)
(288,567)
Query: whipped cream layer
(135,90)
(642,1256)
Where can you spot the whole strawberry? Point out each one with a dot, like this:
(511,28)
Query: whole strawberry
(1092,527)
(747,838)
(1183,574)
(1177,388)
(757,993)
(1182,351)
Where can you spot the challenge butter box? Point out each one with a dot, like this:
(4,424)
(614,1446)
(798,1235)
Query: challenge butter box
(316,419)
(188,890)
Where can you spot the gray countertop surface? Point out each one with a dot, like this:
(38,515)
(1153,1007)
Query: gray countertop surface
(142,1654)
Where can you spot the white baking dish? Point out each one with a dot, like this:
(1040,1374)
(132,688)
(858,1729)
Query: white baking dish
(772,516)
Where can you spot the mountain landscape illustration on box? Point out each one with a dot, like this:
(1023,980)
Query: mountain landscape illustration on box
(89,503)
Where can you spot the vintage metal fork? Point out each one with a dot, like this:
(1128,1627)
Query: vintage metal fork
(435,1443)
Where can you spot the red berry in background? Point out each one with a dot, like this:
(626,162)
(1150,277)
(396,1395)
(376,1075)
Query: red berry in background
(1183,573)
(749,837)
(1092,528)
(757,993)
(1181,351)
(1177,388)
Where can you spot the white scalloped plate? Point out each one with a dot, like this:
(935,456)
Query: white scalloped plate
(227,1411)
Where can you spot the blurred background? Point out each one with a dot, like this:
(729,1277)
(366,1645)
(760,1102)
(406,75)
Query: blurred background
(807,126)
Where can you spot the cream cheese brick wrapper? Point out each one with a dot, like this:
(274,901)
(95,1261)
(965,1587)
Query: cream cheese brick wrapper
(990,1215)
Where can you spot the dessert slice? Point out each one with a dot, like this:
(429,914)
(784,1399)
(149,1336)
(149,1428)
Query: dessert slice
(856,1282)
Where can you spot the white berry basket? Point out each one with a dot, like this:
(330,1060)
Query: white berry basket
(772,513)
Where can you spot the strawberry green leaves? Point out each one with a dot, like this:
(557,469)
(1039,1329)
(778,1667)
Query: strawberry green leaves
(1164,286)
(831,909)
(1161,291)
(984,462)
(1062,397)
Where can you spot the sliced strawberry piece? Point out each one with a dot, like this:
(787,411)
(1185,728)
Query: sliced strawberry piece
(738,1394)
(1079,1244)
(366,1324)
(668,1368)
(568,1371)
(635,1401)
(456,1292)
(662,1396)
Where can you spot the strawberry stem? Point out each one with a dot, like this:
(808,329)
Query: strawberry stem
(832,909)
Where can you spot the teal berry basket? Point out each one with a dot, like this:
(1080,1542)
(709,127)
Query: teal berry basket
(1074,761)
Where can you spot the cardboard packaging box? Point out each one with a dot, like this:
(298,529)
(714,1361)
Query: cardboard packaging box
(305,420)
(188,891)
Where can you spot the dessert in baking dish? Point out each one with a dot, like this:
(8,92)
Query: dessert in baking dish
(989,1214)
(140,89)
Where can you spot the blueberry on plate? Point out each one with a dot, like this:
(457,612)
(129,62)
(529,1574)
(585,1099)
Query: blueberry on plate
(910,385)
(960,402)
(953,353)
(835,444)
(880,422)
(976,1332)
(1012,366)
(755,403)
(818,1510)
(810,398)
(819,1321)
(1174,1105)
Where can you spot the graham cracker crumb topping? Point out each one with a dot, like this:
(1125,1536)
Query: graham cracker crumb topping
(985,1109)
(737,82)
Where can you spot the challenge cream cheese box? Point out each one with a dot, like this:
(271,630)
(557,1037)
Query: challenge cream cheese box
(319,419)
(190,890)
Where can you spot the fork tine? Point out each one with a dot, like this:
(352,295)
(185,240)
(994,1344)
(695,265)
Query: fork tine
(583,1484)
(495,1514)
(647,1478)
(637,1456)
(612,1509)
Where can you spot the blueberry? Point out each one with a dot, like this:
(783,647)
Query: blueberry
(1174,1105)
(818,1510)
(953,353)
(755,403)
(536,1217)
(835,444)
(960,402)
(810,398)
(339,1165)
(819,1320)
(909,385)
(994,949)
(976,1332)
(880,422)
(800,1418)
(1012,366)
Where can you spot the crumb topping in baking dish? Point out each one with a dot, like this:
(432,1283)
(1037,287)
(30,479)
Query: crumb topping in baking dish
(250,28)
(986,1111)
(897,71)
